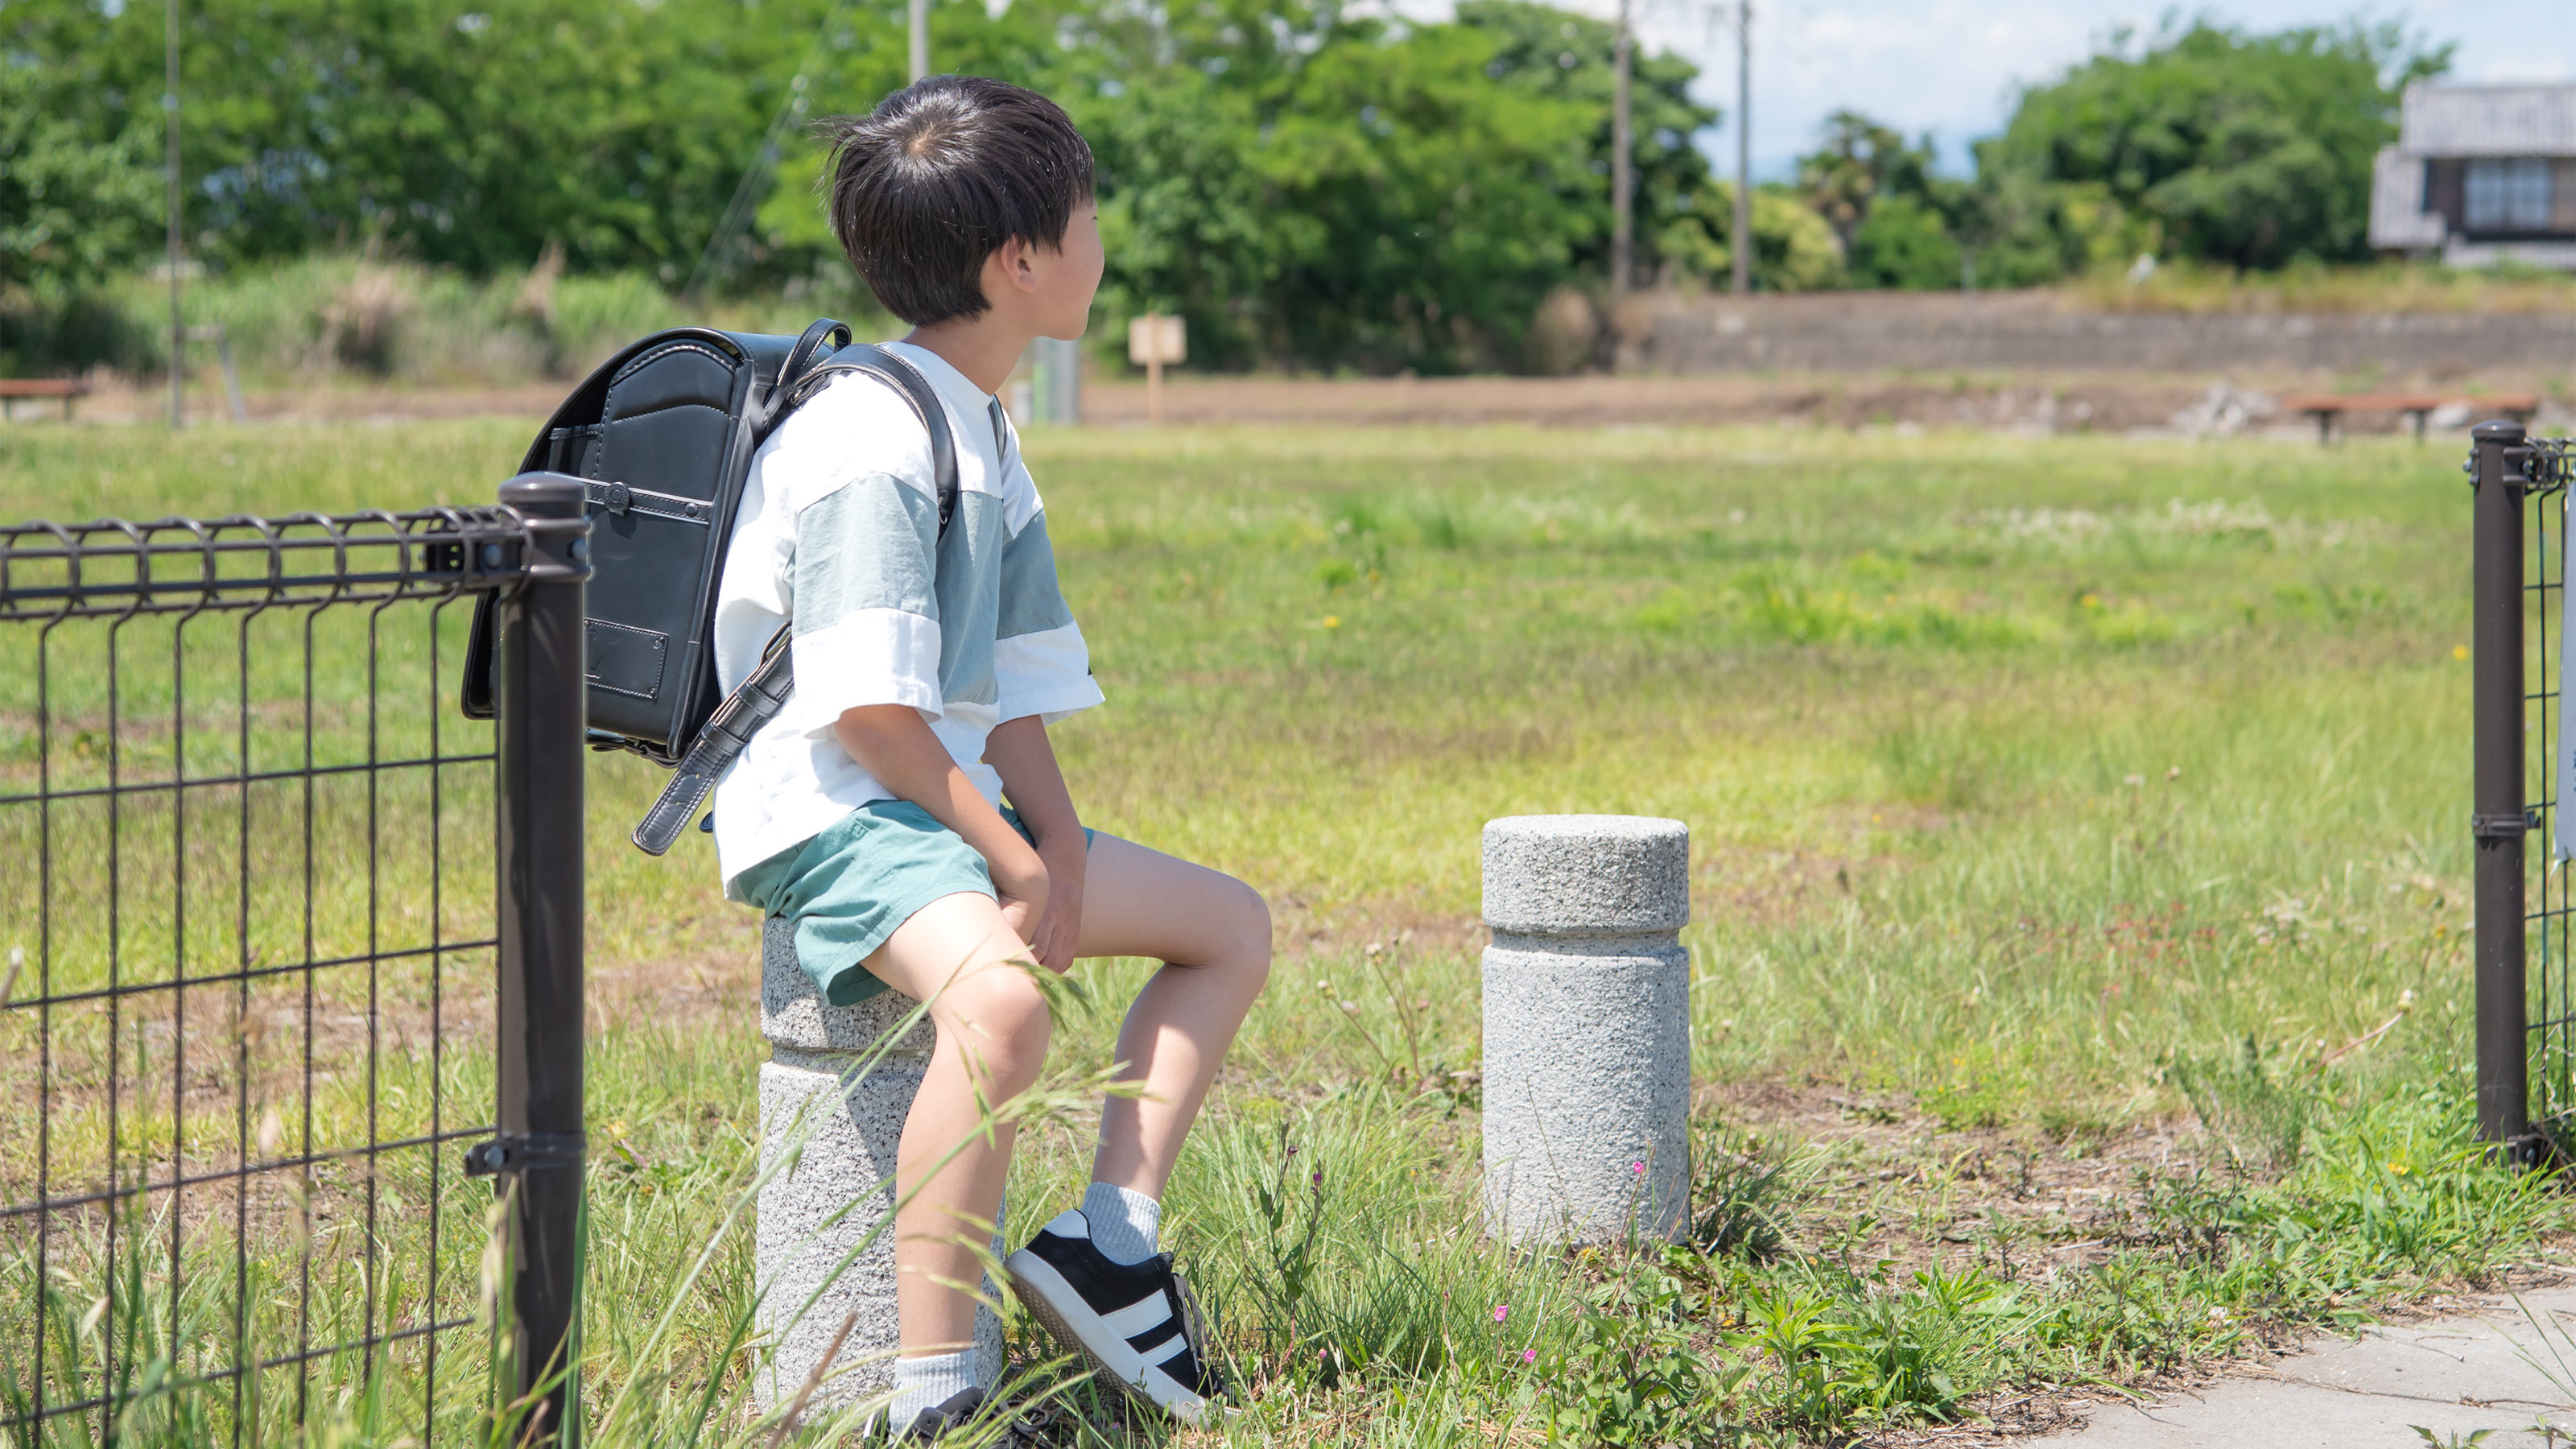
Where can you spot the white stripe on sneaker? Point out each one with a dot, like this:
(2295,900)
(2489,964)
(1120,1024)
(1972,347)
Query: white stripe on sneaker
(1167,1350)
(1137,1317)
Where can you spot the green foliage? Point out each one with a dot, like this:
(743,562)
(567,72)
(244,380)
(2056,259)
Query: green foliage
(1634,1372)
(1305,184)
(2245,1102)
(1384,205)
(1549,52)
(1860,162)
(76,205)
(2251,150)
(1793,249)
(1904,243)
(465,137)
(1333,191)
(1743,1196)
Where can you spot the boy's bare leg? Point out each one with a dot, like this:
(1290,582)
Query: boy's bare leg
(1213,934)
(959,955)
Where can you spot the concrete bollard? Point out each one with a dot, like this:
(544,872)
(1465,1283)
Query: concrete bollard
(849,1131)
(1587,1028)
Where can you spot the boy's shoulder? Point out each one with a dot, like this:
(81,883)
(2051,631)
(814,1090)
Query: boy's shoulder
(855,426)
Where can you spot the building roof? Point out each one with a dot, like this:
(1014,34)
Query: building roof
(2445,121)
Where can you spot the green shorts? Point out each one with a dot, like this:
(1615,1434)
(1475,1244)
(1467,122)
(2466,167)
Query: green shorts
(850,886)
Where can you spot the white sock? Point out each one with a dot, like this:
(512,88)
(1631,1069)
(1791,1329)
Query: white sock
(1124,1224)
(927,1383)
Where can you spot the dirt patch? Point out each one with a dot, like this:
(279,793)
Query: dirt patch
(2035,402)
(2029,402)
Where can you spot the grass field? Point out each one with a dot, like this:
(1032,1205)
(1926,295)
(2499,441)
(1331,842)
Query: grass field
(2069,819)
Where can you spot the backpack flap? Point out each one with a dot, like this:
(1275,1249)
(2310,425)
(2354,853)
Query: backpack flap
(662,437)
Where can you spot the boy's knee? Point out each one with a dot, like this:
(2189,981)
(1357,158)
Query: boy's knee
(1250,928)
(1001,1013)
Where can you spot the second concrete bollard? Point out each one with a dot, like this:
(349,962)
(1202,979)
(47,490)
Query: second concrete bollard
(1587,1028)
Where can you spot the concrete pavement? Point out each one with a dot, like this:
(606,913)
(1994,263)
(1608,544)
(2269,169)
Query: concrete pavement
(2453,1375)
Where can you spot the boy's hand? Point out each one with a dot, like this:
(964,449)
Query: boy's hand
(1022,886)
(1018,751)
(1060,927)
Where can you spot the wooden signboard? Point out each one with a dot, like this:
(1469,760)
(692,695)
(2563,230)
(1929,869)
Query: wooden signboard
(1152,341)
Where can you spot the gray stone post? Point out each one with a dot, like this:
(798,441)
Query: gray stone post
(849,1131)
(1587,1028)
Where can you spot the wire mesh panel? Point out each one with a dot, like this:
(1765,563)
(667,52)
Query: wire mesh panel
(247,905)
(2549,1006)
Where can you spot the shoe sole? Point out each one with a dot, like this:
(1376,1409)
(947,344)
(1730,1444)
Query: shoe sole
(1034,1279)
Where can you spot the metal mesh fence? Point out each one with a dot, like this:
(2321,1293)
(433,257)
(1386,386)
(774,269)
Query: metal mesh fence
(2549,1008)
(247,899)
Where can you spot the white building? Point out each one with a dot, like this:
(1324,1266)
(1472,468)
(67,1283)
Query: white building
(2480,174)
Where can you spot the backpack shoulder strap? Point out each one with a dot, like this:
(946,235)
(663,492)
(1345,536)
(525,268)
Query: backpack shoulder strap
(911,386)
(759,698)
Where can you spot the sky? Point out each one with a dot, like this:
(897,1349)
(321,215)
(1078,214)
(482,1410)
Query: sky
(1950,67)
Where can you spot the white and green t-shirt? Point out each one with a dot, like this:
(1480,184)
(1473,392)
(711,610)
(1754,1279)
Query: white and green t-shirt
(838,531)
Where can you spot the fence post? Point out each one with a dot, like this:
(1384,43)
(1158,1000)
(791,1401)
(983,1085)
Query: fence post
(2498,821)
(540,693)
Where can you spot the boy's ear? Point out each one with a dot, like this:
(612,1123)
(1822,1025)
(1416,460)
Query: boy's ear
(1018,264)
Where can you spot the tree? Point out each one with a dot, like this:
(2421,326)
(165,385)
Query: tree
(1904,243)
(2247,150)
(1793,249)
(1307,184)
(75,206)
(1860,161)
(1368,199)
(1548,52)
(470,137)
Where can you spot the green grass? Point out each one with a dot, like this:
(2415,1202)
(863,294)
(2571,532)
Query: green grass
(2046,796)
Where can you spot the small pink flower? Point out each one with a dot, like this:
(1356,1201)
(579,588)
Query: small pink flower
(1638,1168)
(1529,1355)
(1502,1311)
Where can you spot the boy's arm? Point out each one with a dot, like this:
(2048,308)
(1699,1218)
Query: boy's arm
(891,742)
(1019,752)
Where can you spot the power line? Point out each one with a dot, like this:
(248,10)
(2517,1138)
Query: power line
(747,192)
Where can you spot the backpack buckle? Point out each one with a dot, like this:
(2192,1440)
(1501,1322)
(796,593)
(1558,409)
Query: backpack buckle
(617,498)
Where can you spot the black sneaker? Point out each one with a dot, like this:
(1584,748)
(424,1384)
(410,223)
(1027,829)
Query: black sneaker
(1026,1430)
(1136,1323)
(950,1413)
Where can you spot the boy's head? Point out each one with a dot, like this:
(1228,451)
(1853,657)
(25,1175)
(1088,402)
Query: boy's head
(941,176)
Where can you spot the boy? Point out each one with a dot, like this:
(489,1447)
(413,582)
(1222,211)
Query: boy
(928,667)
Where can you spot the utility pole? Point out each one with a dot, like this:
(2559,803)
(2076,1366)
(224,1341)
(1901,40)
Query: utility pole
(1623,171)
(170,132)
(1743,240)
(920,12)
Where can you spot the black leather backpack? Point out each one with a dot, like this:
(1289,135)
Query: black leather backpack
(662,437)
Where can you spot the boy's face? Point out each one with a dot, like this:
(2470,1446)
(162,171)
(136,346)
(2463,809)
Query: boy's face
(1068,275)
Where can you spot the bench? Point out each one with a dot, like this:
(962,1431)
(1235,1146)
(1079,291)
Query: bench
(2418,406)
(14,388)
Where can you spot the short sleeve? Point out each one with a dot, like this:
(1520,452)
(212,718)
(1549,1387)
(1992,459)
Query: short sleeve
(866,613)
(1040,662)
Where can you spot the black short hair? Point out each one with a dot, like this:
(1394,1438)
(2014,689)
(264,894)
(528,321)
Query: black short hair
(939,176)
